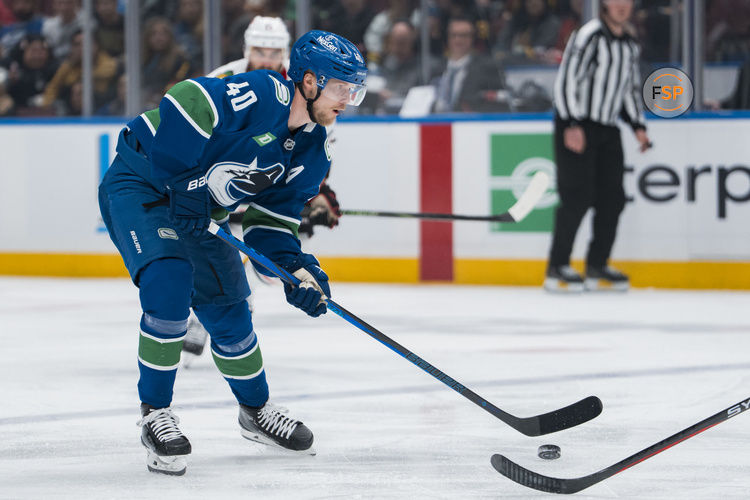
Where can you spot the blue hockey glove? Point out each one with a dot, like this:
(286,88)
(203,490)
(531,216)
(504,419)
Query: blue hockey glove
(189,202)
(311,293)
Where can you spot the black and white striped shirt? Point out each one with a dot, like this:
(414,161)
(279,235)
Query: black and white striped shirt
(598,79)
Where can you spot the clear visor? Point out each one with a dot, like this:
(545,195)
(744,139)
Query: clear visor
(344,92)
(266,54)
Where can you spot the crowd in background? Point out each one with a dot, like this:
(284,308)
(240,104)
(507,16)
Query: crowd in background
(472,43)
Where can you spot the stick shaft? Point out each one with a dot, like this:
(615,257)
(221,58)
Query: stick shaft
(534,191)
(563,418)
(430,215)
(402,351)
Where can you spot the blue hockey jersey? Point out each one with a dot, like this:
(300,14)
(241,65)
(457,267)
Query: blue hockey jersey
(235,129)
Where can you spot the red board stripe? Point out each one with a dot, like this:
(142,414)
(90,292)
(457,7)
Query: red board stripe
(436,195)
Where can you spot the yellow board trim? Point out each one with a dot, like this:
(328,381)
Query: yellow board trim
(687,275)
(67,265)
(370,269)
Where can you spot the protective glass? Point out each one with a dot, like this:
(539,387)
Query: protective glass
(344,92)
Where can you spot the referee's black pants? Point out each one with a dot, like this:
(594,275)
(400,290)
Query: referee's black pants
(592,179)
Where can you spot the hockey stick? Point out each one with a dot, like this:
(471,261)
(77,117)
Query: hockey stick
(554,421)
(530,197)
(523,476)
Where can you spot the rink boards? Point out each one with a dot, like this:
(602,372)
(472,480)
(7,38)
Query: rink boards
(685,224)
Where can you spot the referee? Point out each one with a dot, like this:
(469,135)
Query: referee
(598,81)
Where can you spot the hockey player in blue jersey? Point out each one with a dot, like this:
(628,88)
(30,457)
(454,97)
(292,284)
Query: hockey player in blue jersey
(266,47)
(211,145)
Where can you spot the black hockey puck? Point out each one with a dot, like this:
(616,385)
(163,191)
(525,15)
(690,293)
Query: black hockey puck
(549,451)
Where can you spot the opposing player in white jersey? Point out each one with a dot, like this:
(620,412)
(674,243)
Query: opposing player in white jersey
(266,47)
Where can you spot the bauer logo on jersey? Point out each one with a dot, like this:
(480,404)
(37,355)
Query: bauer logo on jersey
(514,159)
(230,182)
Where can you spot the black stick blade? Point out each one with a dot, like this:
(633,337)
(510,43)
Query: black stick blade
(528,478)
(569,416)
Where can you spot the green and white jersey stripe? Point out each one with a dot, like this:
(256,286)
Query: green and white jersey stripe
(152,119)
(195,105)
(159,354)
(257,216)
(243,367)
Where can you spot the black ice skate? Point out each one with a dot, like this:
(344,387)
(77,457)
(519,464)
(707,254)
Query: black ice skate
(606,278)
(167,447)
(269,425)
(563,279)
(194,342)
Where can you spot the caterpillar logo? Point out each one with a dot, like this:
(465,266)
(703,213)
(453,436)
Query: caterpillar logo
(514,159)
(664,183)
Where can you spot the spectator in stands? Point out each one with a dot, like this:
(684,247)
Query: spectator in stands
(110,28)
(6,102)
(164,62)
(105,71)
(727,30)
(478,11)
(30,69)
(60,28)
(470,81)
(28,22)
(116,107)
(160,8)
(6,15)
(381,25)
(348,18)
(570,20)
(234,21)
(532,31)
(652,22)
(188,32)
(400,69)
(71,101)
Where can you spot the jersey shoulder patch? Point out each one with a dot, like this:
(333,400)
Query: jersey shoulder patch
(283,94)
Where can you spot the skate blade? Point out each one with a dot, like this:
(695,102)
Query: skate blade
(599,285)
(175,465)
(555,285)
(259,438)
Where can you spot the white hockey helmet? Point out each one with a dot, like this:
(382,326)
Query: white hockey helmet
(267,32)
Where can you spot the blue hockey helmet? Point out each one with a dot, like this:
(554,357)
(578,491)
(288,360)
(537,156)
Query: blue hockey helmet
(329,55)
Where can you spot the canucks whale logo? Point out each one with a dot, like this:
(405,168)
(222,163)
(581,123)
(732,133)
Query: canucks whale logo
(230,182)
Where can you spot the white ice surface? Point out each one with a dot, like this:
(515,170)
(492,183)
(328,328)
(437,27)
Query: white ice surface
(659,360)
